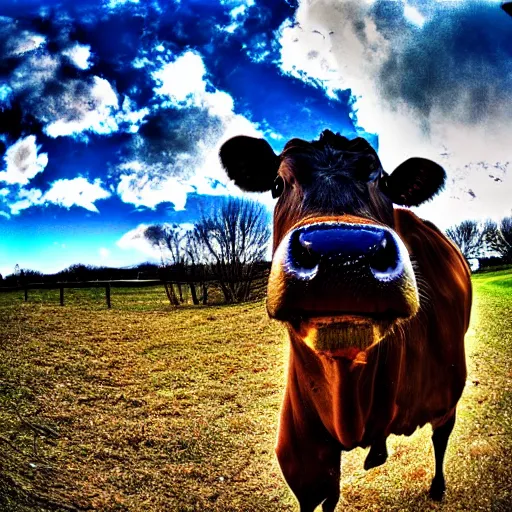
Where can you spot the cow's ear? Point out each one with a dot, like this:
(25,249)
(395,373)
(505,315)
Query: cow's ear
(413,182)
(250,163)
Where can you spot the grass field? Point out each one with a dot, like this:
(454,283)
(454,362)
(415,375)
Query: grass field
(144,408)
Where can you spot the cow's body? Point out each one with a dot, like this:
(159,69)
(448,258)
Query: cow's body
(412,377)
(376,302)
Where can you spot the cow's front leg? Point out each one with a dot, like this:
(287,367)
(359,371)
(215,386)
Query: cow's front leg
(377,455)
(440,438)
(310,462)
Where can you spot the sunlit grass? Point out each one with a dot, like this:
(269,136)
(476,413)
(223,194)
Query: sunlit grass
(162,409)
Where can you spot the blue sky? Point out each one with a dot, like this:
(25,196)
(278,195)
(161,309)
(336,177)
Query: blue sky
(112,111)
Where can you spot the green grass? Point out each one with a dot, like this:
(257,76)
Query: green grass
(176,409)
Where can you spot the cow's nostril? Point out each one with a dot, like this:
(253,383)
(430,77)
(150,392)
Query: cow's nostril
(385,259)
(304,257)
(343,250)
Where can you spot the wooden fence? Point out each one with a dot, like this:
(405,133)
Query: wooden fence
(135,283)
(259,285)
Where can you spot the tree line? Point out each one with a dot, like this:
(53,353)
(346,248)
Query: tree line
(225,252)
(487,239)
(79,272)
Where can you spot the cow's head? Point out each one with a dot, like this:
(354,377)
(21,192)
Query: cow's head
(341,276)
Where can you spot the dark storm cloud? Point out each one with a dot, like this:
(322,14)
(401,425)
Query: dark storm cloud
(459,63)
(168,140)
(48,91)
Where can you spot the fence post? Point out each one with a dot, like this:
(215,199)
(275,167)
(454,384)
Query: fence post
(26,294)
(62,295)
(107,295)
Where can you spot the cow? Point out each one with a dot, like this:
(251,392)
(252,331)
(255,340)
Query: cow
(376,302)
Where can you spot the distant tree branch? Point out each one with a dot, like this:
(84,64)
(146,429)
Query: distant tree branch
(468,236)
(498,237)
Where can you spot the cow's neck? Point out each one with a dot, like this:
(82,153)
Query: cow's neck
(345,394)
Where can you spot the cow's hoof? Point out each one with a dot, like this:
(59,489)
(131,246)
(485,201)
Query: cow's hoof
(375,459)
(437,489)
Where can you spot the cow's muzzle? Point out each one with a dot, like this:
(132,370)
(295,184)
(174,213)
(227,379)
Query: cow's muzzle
(352,281)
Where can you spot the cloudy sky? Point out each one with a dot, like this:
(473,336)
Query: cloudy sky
(112,111)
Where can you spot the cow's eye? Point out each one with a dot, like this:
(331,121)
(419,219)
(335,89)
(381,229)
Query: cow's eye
(367,168)
(278,187)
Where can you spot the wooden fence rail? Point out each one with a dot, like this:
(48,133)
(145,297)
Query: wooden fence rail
(260,283)
(135,283)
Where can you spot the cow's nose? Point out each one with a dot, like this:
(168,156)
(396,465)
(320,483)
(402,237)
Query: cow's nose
(336,268)
(344,249)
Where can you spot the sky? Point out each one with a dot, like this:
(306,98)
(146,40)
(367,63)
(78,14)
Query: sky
(112,112)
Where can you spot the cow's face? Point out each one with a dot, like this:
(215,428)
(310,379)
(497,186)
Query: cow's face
(341,276)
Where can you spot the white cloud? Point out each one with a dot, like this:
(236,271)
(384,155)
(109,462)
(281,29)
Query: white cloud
(98,117)
(5,94)
(139,189)
(238,14)
(65,193)
(237,11)
(183,82)
(27,42)
(79,55)
(137,184)
(231,28)
(112,4)
(337,45)
(26,199)
(129,114)
(321,46)
(471,193)
(23,161)
(76,192)
(413,15)
(182,79)
(219,103)
(34,72)
(64,105)
(136,240)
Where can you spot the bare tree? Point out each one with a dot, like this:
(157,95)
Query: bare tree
(170,240)
(468,237)
(226,244)
(498,237)
(236,235)
(197,266)
(17,273)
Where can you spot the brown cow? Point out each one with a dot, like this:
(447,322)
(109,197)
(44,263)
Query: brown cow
(376,302)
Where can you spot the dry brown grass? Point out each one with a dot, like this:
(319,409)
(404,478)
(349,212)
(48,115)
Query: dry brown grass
(161,410)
